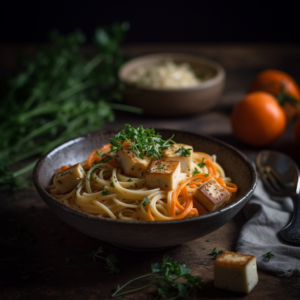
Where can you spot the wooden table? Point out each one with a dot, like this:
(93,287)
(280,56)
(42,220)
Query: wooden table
(44,258)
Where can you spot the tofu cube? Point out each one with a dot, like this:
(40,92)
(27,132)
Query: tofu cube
(235,272)
(131,164)
(185,161)
(67,180)
(163,174)
(211,195)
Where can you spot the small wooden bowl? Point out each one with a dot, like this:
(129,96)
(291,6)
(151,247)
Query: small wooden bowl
(169,102)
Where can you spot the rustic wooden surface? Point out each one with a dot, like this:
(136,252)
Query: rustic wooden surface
(35,242)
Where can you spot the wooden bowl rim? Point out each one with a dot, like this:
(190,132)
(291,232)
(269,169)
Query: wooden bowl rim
(189,58)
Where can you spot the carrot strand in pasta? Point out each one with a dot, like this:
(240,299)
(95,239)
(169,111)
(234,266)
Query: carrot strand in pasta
(62,168)
(149,213)
(93,158)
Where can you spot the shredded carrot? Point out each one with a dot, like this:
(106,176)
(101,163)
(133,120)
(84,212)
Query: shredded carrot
(62,168)
(95,158)
(209,163)
(174,202)
(149,213)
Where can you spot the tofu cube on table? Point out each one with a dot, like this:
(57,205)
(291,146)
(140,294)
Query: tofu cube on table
(211,195)
(185,161)
(67,180)
(163,174)
(235,272)
(131,164)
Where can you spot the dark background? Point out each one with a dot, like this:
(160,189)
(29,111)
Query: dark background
(155,21)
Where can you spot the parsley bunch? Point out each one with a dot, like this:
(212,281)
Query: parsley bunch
(172,280)
(144,141)
(60,93)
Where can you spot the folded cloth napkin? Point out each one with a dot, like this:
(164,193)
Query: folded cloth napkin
(261,234)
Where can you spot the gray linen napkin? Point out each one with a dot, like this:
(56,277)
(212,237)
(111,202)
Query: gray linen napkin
(261,234)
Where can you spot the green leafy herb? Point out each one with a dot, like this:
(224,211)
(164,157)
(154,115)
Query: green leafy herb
(202,164)
(208,241)
(195,172)
(110,260)
(111,185)
(203,248)
(98,153)
(183,151)
(269,255)
(144,142)
(160,167)
(105,192)
(206,175)
(215,253)
(204,263)
(146,201)
(60,93)
(171,278)
(129,180)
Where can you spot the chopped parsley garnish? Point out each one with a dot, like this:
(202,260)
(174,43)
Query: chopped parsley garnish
(129,180)
(111,185)
(208,241)
(144,142)
(146,201)
(206,175)
(215,253)
(202,164)
(98,153)
(105,192)
(183,151)
(195,172)
(269,255)
(160,167)
(173,280)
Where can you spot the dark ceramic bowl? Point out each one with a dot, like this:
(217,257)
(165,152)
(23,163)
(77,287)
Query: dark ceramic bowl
(146,235)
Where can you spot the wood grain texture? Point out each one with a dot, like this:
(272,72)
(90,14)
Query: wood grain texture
(35,242)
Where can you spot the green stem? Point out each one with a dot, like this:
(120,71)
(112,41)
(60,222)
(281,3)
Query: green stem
(37,132)
(91,65)
(25,169)
(75,89)
(125,107)
(115,294)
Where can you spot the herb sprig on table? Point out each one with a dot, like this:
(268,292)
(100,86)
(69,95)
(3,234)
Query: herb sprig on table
(172,280)
(110,260)
(144,142)
(59,94)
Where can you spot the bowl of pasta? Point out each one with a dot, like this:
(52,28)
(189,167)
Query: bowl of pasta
(145,189)
(172,84)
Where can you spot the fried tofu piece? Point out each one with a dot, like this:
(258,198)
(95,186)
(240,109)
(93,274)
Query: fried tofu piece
(235,272)
(131,164)
(67,180)
(163,174)
(185,161)
(211,195)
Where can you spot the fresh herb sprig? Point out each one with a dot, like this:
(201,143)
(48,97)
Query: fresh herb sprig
(171,278)
(268,255)
(215,253)
(146,201)
(144,142)
(59,94)
(202,164)
(110,260)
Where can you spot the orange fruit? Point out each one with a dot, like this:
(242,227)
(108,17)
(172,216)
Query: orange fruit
(258,119)
(297,130)
(282,86)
